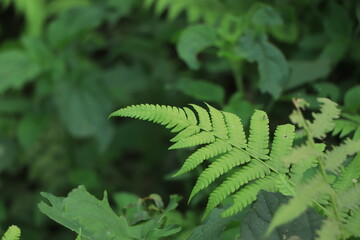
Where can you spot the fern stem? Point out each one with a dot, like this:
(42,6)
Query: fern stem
(320,159)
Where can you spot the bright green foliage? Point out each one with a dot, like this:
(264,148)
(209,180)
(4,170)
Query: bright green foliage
(332,188)
(220,137)
(12,233)
(94,219)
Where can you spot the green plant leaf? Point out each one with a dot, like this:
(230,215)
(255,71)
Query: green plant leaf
(202,90)
(351,99)
(307,71)
(16,69)
(83,213)
(212,227)
(258,219)
(72,23)
(83,110)
(272,65)
(193,40)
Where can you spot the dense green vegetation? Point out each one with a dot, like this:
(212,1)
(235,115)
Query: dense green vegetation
(66,65)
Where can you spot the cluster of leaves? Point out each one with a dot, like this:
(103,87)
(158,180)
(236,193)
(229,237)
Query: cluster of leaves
(66,64)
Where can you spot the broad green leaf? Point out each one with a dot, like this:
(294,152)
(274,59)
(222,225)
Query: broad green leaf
(266,15)
(30,129)
(16,69)
(73,23)
(272,65)
(212,227)
(328,90)
(289,31)
(307,71)
(82,212)
(258,219)
(202,90)
(83,110)
(193,40)
(351,99)
(241,107)
(337,22)
(8,151)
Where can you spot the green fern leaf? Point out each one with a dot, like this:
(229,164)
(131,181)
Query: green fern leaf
(349,175)
(282,145)
(329,230)
(165,115)
(324,121)
(251,171)
(258,145)
(298,204)
(220,136)
(350,199)
(202,154)
(352,223)
(12,233)
(235,130)
(204,118)
(246,196)
(336,157)
(219,167)
(194,140)
(218,123)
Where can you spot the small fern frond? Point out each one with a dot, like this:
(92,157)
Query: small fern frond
(202,154)
(220,166)
(324,121)
(329,230)
(12,233)
(253,170)
(258,145)
(337,156)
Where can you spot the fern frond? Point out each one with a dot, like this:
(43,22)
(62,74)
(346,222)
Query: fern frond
(12,233)
(324,121)
(330,230)
(337,156)
(202,154)
(219,167)
(258,145)
(220,137)
(253,170)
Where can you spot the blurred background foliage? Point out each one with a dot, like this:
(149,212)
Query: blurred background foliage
(65,65)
